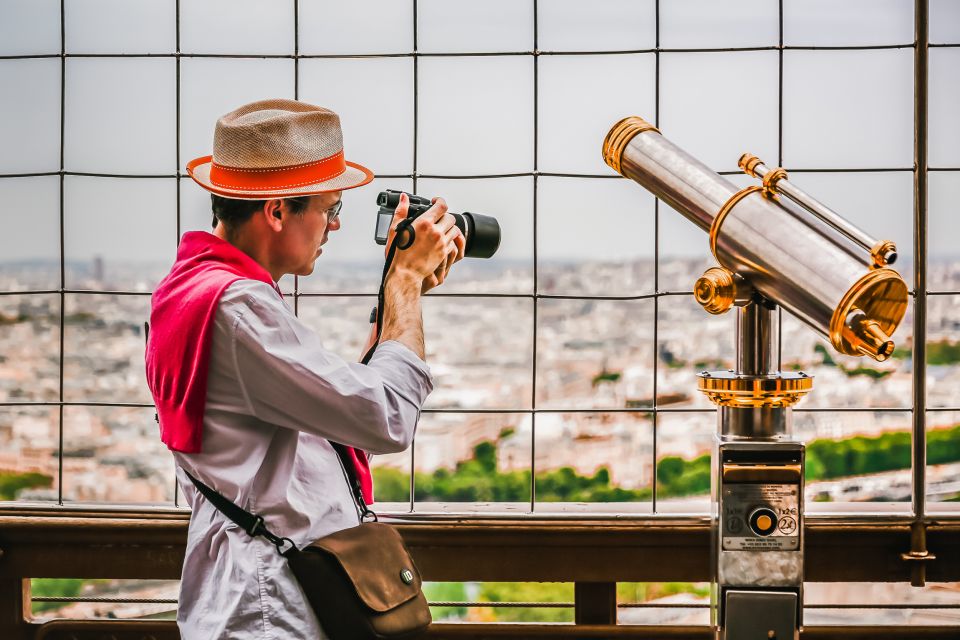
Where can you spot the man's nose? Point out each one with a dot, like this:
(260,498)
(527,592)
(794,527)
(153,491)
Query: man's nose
(334,224)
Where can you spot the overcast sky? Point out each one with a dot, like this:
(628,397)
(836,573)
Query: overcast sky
(841,109)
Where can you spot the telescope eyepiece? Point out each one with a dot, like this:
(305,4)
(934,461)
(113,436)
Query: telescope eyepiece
(868,336)
(883,253)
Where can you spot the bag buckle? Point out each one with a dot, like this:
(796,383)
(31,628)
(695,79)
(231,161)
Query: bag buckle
(256,528)
(284,546)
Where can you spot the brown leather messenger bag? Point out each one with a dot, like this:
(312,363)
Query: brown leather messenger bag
(361,582)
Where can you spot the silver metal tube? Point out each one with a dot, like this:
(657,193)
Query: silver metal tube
(677,178)
(786,260)
(757,340)
(822,212)
(754,423)
(789,261)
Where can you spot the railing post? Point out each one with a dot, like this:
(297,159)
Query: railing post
(595,602)
(14,600)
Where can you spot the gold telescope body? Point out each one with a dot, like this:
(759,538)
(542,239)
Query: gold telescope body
(791,249)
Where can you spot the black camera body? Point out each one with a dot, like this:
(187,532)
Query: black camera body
(481,232)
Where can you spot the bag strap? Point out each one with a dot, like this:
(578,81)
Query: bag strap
(255,526)
(366,514)
(252,524)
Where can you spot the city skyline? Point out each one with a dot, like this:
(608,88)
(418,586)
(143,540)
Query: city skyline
(595,358)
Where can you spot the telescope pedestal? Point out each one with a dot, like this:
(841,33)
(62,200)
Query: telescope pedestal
(757,485)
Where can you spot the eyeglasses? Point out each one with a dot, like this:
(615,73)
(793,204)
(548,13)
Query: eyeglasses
(334,211)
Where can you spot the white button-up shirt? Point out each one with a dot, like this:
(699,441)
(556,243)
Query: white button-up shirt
(275,397)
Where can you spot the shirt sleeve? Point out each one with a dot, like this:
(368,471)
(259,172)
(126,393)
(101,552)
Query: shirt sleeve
(289,379)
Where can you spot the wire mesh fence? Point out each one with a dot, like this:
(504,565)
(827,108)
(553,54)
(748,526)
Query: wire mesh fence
(426,47)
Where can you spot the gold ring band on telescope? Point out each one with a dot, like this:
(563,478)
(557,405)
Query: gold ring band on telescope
(772,178)
(724,210)
(748,162)
(619,136)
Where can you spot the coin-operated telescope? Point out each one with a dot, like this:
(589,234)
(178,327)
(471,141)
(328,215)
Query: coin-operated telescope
(775,245)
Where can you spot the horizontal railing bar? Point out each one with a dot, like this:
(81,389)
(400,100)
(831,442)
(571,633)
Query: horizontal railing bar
(531,605)
(525,630)
(362,294)
(462,54)
(661,632)
(502,605)
(31,292)
(508,410)
(477,176)
(368,294)
(155,513)
(91,403)
(357,294)
(846,170)
(883,606)
(105,292)
(105,599)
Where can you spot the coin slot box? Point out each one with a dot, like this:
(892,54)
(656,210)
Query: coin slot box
(761,495)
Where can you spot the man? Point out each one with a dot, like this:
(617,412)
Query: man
(247,397)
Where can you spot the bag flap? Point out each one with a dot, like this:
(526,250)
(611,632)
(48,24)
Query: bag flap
(377,563)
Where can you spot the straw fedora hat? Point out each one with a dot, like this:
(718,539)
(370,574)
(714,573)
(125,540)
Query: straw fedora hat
(277,149)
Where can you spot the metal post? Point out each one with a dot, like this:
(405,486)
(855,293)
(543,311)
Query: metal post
(918,555)
(595,602)
(757,339)
(919,260)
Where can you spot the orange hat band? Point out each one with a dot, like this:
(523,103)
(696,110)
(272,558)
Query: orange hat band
(275,179)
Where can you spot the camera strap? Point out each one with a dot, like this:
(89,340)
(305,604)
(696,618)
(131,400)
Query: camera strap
(404,231)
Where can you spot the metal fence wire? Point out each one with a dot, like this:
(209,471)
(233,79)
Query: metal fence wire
(920,170)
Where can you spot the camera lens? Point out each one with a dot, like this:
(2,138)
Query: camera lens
(482,234)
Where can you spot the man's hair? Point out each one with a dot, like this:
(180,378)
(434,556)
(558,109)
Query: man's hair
(233,212)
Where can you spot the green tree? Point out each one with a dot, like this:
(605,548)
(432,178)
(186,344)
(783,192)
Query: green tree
(529,592)
(669,469)
(446,592)
(391,485)
(54,588)
(943,352)
(485,453)
(12,483)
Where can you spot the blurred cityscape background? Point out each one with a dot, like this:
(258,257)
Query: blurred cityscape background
(601,381)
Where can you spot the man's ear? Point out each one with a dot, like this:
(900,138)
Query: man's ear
(273,214)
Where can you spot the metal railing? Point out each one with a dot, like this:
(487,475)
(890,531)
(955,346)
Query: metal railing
(595,556)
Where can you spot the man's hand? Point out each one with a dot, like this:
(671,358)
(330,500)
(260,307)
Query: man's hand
(437,245)
(417,269)
(454,254)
